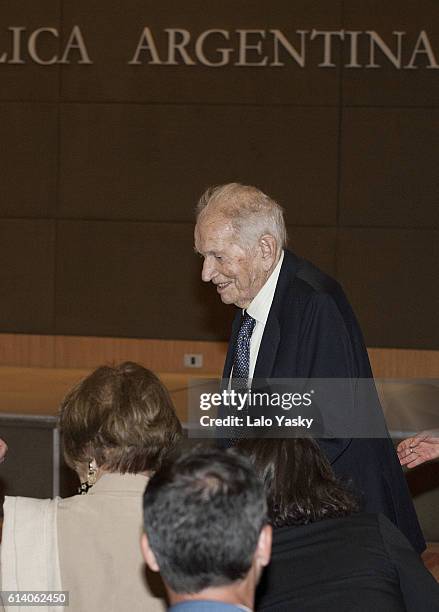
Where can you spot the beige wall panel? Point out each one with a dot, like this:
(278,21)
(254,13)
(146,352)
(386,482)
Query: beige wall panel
(389,172)
(39,391)
(27,350)
(29,81)
(36,390)
(388,86)
(395,297)
(44,351)
(27,275)
(28,159)
(72,352)
(159,355)
(134,279)
(113,30)
(400,363)
(153,162)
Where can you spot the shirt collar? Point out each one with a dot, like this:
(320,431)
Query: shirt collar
(259,307)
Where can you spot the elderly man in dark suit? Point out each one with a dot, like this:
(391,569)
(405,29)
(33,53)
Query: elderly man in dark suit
(294,321)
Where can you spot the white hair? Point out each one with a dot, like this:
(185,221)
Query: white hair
(251,212)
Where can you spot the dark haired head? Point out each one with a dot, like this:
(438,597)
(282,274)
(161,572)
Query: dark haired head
(300,485)
(120,416)
(203,514)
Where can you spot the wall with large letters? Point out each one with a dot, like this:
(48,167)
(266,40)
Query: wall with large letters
(115,116)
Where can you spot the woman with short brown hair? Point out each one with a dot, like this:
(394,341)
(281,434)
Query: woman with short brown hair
(117,426)
(121,417)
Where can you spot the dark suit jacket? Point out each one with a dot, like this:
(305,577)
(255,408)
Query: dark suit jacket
(360,563)
(312,332)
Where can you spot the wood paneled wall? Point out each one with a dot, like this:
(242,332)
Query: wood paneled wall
(102,165)
(26,350)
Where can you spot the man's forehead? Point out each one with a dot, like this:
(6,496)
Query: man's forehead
(212,227)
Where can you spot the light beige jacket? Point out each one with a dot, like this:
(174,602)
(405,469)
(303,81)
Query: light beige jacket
(86,544)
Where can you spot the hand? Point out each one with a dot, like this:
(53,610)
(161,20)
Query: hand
(3,450)
(418,449)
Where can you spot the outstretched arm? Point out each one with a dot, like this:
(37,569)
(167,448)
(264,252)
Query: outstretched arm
(3,450)
(418,449)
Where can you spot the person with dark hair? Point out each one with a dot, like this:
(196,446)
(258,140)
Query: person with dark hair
(117,426)
(327,556)
(206,530)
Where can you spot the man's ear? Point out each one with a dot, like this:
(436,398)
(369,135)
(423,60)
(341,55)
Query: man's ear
(268,247)
(263,549)
(148,555)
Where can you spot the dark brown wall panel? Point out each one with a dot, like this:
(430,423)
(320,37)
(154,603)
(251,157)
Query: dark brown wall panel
(102,164)
(134,279)
(391,277)
(28,159)
(387,85)
(29,81)
(317,244)
(29,467)
(389,167)
(27,275)
(113,30)
(153,162)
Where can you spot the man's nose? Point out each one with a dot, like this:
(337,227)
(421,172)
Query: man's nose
(208,270)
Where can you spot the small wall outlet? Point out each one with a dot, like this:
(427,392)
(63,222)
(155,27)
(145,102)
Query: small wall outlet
(193,360)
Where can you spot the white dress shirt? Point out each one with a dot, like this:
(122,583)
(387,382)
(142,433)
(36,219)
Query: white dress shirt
(259,309)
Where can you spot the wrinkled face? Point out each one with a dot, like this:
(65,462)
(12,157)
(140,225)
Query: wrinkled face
(238,273)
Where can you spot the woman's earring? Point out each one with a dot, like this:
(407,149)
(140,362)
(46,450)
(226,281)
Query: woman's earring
(92,473)
(91,478)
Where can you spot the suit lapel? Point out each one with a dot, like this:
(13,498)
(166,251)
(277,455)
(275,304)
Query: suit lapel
(265,362)
(268,349)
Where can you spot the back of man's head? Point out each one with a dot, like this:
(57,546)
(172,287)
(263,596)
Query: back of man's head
(204,513)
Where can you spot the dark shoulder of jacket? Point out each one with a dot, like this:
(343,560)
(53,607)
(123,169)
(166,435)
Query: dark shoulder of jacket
(351,526)
(309,282)
(314,278)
